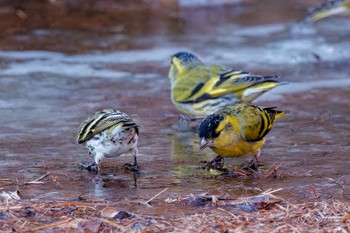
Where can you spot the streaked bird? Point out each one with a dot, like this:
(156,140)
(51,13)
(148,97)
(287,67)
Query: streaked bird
(235,131)
(329,8)
(109,133)
(200,89)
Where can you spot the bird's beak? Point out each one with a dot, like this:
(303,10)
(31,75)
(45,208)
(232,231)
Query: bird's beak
(203,144)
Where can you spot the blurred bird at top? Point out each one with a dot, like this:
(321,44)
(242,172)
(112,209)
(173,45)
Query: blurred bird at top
(200,89)
(329,8)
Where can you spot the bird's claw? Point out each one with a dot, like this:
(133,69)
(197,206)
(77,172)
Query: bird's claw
(216,163)
(252,165)
(90,166)
(132,167)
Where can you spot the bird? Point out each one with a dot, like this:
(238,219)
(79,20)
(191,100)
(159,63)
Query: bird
(235,131)
(329,8)
(199,89)
(109,133)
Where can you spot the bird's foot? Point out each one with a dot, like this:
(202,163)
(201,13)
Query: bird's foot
(232,173)
(132,167)
(216,163)
(90,166)
(253,165)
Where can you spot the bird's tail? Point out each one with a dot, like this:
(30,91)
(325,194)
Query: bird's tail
(327,9)
(251,93)
(275,113)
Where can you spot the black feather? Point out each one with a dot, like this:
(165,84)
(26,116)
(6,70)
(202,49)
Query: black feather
(207,128)
(196,89)
(203,97)
(224,76)
(187,58)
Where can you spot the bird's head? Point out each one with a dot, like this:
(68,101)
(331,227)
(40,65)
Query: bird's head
(208,130)
(182,62)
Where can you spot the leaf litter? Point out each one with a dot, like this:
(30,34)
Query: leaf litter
(265,212)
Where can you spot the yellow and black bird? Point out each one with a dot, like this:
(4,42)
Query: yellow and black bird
(200,89)
(235,131)
(329,8)
(109,133)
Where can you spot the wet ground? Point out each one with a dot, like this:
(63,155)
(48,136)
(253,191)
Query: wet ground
(54,73)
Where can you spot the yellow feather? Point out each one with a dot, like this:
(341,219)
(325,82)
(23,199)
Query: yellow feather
(200,89)
(330,8)
(238,130)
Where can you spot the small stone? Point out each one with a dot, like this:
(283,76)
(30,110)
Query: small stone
(3,215)
(30,211)
(123,214)
(109,212)
(137,226)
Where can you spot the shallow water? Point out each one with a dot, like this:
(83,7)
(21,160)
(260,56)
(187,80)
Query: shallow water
(55,73)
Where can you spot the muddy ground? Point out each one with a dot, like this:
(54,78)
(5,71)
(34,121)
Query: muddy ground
(60,62)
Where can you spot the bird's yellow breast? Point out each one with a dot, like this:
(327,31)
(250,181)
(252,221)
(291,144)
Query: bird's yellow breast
(237,148)
(230,142)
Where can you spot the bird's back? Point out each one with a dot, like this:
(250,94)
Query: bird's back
(200,89)
(208,82)
(102,120)
(253,122)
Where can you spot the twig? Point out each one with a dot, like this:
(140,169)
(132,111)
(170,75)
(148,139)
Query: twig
(270,191)
(228,212)
(85,206)
(11,208)
(25,223)
(12,215)
(38,181)
(308,173)
(346,217)
(294,229)
(74,203)
(6,180)
(155,196)
(281,207)
(274,170)
(108,222)
(313,191)
(55,224)
(271,167)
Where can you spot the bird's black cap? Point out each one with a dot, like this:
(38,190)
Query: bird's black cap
(187,57)
(207,128)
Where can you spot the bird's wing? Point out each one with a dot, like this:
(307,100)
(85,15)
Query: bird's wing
(236,82)
(258,122)
(218,82)
(195,83)
(100,122)
(329,8)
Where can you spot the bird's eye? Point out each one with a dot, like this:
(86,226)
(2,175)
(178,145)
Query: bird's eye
(229,127)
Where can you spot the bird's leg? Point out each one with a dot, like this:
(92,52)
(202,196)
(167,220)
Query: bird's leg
(90,166)
(133,167)
(254,163)
(216,163)
(93,166)
(135,176)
